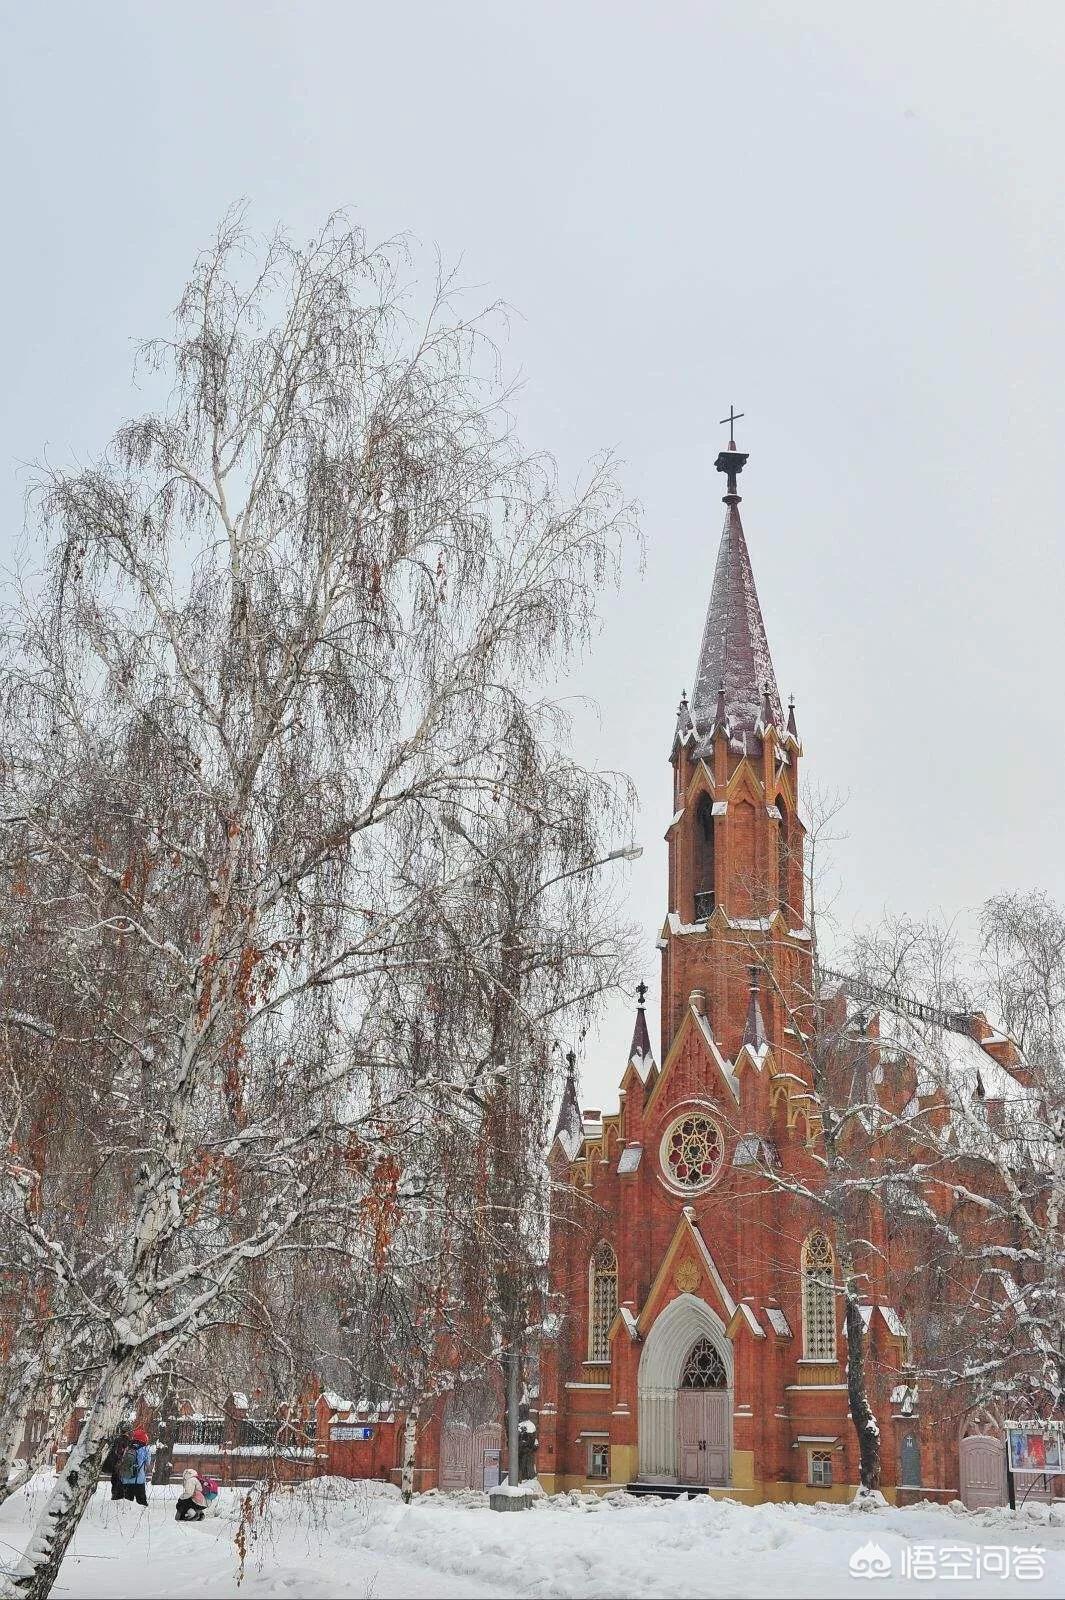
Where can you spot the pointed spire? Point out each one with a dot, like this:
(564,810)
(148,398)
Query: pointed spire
(735,651)
(570,1125)
(792,729)
(640,1049)
(754,1033)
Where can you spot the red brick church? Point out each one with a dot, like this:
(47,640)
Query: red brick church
(699,1339)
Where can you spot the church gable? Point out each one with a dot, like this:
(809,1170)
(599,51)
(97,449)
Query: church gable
(687,1268)
(694,1068)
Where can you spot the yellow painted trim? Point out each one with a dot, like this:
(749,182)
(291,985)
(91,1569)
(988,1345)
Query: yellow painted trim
(756,1491)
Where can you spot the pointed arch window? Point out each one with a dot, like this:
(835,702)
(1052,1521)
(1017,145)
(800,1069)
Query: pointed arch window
(602,1301)
(704,1368)
(704,859)
(783,859)
(818,1299)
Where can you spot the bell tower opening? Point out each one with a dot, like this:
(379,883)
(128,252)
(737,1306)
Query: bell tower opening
(704,859)
(783,859)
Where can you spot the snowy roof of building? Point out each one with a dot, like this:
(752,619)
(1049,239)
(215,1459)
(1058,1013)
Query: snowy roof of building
(894,1321)
(946,1057)
(630,1158)
(778,1321)
(734,655)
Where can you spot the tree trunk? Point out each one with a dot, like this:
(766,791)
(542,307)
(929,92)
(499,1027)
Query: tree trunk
(410,1443)
(57,1523)
(166,1428)
(865,1424)
(513,1413)
(12,1426)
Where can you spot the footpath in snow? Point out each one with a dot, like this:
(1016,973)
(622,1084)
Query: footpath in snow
(338,1538)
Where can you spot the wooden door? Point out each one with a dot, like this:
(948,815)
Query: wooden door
(716,1434)
(982,1461)
(691,1438)
(454,1456)
(486,1453)
(703,1436)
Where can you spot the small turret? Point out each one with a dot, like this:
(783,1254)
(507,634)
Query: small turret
(570,1125)
(754,1033)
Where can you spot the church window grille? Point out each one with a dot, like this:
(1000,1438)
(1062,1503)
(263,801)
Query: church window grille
(704,1368)
(818,1299)
(598,1461)
(821,1468)
(602,1301)
(693,1151)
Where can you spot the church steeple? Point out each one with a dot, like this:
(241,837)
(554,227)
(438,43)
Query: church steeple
(735,668)
(735,839)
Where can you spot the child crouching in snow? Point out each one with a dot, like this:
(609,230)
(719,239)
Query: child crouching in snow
(191,1506)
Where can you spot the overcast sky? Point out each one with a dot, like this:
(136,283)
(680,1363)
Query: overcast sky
(847,219)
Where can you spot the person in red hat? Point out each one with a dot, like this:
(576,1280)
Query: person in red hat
(133,1467)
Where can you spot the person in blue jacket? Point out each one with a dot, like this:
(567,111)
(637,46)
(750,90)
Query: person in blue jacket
(133,1467)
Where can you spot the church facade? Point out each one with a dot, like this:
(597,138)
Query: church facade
(696,1335)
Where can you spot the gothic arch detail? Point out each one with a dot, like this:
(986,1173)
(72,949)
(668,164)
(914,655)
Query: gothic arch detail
(818,1299)
(671,1341)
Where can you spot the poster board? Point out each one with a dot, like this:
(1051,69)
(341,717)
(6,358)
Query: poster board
(1036,1447)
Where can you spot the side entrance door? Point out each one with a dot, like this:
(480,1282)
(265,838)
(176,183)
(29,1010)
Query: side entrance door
(455,1451)
(703,1435)
(982,1461)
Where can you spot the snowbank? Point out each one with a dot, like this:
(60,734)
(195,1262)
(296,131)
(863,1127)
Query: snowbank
(342,1538)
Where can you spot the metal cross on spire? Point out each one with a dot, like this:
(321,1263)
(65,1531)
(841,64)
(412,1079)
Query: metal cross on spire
(732,419)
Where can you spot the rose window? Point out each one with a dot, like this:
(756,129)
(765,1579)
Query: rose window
(692,1151)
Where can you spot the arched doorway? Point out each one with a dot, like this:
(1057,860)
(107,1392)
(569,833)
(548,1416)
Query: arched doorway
(685,1385)
(703,1417)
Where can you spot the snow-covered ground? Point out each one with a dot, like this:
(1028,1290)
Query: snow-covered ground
(347,1539)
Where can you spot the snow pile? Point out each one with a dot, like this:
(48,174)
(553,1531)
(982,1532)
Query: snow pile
(341,1538)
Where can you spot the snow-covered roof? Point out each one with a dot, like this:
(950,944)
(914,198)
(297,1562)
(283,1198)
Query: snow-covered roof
(778,1321)
(751,1320)
(894,1321)
(904,1396)
(630,1158)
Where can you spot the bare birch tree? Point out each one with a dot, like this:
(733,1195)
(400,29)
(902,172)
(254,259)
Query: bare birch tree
(287,628)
